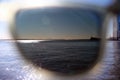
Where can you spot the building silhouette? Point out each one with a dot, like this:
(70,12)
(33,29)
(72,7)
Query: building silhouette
(116,27)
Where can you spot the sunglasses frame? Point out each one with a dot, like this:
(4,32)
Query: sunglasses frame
(99,9)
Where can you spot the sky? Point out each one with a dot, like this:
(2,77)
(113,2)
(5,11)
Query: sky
(58,23)
(95,2)
(5,9)
(4,31)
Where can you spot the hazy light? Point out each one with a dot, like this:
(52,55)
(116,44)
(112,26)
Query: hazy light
(29,41)
(4,12)
(4,31)
(110,29)
(38,3)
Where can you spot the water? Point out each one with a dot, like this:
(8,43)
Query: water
(62,56)
(14,67)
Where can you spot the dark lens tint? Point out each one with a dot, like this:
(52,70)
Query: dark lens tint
(60,39)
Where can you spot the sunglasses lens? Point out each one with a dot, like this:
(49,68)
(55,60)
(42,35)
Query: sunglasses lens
(60,39)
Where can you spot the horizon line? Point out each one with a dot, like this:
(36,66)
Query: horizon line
(50,39)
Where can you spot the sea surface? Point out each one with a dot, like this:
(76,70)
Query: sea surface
(14,67)
(62,56)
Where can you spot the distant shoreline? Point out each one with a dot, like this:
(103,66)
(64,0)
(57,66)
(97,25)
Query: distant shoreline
(56,39)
